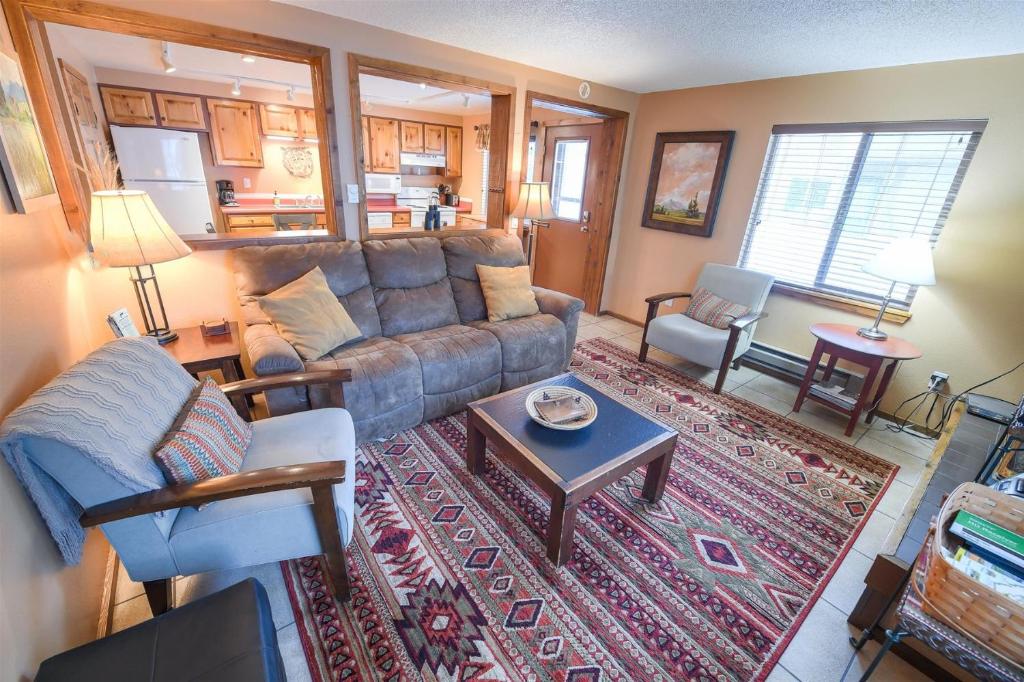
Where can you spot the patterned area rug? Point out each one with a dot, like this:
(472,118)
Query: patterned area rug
(450,579)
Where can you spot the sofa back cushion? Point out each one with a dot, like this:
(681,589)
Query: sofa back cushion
(260,270)
(463,254)
(410,285)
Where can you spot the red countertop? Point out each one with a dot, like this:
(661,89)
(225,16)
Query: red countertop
(388,205)
(259,209)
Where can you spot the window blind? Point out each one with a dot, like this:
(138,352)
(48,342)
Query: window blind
(830,197)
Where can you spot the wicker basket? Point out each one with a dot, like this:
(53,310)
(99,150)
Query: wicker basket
(951,596)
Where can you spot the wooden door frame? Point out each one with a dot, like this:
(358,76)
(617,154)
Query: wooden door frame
(501,118)
(26,20)
(613,148)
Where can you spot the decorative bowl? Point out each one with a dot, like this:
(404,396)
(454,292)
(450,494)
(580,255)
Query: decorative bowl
(553,392)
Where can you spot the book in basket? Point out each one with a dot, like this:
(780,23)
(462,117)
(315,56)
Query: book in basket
(991,539)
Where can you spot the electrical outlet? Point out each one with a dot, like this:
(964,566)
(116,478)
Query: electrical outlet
(669,303)
(937,380)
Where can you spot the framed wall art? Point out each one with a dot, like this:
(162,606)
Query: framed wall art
(685,184)
(22,157)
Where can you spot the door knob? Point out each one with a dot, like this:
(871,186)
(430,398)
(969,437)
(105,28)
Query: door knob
(584,228)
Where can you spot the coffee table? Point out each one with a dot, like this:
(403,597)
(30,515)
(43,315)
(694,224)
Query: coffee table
(570,466)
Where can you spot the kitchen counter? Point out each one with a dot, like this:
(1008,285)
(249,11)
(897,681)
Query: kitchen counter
(391,207)
(262,209)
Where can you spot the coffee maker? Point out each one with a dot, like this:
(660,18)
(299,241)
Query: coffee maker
(226,193)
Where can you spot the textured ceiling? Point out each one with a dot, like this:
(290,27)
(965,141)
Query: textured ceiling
(649,45)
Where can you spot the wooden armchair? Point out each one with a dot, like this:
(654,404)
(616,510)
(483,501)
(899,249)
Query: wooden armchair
(683,336)
(273,527)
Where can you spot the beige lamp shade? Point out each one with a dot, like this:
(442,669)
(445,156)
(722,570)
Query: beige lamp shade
(127,229)
(534,202)
(904,260)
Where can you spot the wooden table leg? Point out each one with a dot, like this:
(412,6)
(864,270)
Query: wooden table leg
(883,386)
(865,392)
(657,474)
(832,359)
(230,370)
(476,446)
(561,528)
(812,367)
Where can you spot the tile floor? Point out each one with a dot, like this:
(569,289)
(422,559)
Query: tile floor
(818,653)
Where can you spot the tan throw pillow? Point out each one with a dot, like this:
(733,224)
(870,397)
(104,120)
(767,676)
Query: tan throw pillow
(507,292)
(308,315)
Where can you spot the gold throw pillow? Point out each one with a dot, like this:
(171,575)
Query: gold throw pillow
(308,315)
(507,292)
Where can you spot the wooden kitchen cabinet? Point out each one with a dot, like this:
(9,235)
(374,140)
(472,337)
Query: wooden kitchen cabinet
(366,145)
(123,105)
(307,124)
(384,145)
(412,136)
(453,153)
(235,133)
(403,219)
(279,120)
(259,220)
(433,139)
(180,111)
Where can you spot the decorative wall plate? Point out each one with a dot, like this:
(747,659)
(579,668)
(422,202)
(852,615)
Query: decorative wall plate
(298,161)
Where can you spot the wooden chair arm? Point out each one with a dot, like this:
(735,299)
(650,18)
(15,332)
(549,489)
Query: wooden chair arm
(268,383)
(741,323)
(661,298)
(312,475)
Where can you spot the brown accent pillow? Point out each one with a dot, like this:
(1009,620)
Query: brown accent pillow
(507,292)
(307,314)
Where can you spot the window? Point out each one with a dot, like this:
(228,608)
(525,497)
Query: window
(531,158)
(832,196)
(485,176)
(567,178)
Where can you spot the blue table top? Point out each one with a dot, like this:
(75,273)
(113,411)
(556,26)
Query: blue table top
(570,454)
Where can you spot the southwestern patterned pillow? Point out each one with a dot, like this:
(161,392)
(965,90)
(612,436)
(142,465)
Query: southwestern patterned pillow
(209,440)
(714,311)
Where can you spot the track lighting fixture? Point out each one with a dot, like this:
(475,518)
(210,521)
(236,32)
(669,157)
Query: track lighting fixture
(291,93)
(165,58)
(465,101)
(248,59)
(423,86)
(236,88)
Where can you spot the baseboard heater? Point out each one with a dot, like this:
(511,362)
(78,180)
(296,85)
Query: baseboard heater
(792,367)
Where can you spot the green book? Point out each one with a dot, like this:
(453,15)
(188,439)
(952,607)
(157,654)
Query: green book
(989,537)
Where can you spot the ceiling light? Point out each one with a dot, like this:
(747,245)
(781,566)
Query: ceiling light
(236,88)
(248,59)
(291,93)
(465,101)
(165,58)
(423,86)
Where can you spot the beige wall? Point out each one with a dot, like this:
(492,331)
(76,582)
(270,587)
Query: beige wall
(45,606)
(970,324)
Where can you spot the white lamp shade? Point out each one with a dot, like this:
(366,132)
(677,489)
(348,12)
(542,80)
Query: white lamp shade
(905,260)
(534,202)
(127,229)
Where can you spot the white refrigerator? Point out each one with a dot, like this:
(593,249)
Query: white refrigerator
(168,165)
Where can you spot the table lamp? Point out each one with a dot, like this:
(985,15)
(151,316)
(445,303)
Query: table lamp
(534,203)
(128,231)
(906,261)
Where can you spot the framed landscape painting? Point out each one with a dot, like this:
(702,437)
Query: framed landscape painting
(686,181)
(22,157)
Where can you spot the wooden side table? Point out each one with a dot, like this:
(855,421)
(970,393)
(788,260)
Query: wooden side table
(198,353)
(841,341)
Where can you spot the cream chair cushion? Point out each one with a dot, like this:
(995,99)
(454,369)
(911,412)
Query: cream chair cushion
(507,292)
(309,317)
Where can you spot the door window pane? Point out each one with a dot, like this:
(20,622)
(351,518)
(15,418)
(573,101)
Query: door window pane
(568,177)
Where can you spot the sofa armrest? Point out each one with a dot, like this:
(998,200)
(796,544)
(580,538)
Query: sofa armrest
(310,475)
(269,353)
(567,309)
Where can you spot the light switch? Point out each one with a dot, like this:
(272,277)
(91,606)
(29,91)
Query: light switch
(246,183)
(353,193)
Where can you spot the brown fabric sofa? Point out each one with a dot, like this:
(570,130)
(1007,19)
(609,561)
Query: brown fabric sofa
(427,348)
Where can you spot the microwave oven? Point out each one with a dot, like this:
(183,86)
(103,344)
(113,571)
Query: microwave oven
(383,183)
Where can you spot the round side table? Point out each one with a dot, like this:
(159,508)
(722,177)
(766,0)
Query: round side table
(841,341)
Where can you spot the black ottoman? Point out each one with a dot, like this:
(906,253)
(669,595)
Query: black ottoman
(226,636)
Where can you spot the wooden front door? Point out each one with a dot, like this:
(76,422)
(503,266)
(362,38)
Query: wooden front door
(572,157)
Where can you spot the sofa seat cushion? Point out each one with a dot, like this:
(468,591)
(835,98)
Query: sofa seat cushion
(458,363)
(386,391)
(688,338)
(529,343)
(252,530)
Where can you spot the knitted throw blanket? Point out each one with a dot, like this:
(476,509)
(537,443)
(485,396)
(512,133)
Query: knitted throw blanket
(114,407)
